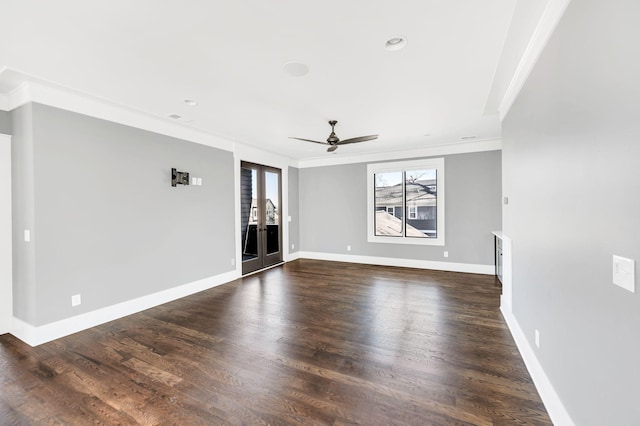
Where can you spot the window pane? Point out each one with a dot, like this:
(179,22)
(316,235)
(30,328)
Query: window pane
(272,211)
(249,209)
(388,190)
(421,202)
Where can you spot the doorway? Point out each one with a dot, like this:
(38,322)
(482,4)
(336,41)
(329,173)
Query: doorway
(261,218)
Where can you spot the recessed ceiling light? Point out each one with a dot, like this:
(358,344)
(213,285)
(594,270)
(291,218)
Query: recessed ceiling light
(296,69)
(190,102)
(395,43)
(179,118)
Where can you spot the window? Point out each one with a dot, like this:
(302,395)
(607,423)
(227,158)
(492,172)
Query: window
(415,187)
(413,212)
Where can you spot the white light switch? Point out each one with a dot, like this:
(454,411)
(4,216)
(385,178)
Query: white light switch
(624,273)
(199,182)
(194,181)
(27,235)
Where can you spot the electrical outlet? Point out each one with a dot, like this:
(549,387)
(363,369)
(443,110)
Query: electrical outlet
(348,248)
(446,254)
(199,182)
(27,235)
(293,246)
(75,300)
(537,338)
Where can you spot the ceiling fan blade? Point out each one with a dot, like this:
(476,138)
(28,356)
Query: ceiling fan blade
(308,140)
(332,148)
(358,139)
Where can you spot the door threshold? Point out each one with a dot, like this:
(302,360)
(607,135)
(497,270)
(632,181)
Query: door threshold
(264,269)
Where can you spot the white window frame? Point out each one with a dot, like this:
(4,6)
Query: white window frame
(406,166)
(413,212)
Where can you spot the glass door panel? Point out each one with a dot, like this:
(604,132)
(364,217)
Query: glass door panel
(249,212)
(272,209)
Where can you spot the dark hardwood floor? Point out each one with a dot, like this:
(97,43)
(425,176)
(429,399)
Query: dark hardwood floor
(310,342)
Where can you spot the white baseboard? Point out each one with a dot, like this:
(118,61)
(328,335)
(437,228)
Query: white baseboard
(37,335)
(553,404)
(406,263)
(293,256)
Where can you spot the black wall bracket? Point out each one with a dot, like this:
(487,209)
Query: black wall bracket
(179,178)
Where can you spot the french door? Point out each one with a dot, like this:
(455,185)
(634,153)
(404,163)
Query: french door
(261,217)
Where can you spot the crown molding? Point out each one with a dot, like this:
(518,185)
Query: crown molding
(4,102)
(70,100)
(245,152)
(19,96)
(445,149)
(548,22)
(28,89)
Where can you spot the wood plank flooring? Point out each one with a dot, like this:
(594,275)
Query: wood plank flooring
(309,343)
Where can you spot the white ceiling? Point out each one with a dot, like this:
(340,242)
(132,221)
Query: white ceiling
(150,55)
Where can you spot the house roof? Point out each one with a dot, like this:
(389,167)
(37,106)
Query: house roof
(387,224)
(416,195)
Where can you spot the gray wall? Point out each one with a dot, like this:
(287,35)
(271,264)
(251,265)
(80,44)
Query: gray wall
(107,224)
(571,171)
(22,206)
(294,210)
(5,122)
(333,210)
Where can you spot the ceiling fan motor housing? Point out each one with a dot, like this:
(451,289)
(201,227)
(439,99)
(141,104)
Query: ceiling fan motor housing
(333,139)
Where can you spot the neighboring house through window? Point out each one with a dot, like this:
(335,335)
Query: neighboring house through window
(415,187)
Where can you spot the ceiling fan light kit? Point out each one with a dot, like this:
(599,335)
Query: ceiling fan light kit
(333,141)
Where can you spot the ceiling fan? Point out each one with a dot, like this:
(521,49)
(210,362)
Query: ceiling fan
(334,142)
